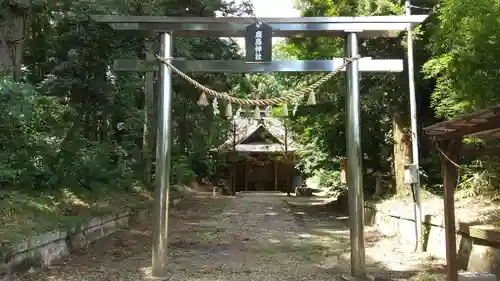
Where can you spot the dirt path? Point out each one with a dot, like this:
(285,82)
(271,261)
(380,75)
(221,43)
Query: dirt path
(255,236)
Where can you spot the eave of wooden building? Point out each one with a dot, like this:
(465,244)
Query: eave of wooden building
(483,123)
(449,135)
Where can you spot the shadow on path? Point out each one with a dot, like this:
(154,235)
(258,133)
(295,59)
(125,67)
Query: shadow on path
(386,259)
(253,236)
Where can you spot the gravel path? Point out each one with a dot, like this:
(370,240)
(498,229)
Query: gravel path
(255,236)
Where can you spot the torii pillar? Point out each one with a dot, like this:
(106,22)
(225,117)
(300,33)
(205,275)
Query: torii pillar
(349,27)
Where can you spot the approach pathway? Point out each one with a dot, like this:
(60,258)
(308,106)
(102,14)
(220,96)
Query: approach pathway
(253,236)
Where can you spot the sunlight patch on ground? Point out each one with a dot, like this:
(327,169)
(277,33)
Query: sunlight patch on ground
(26,214)
(140,232)
(397,257)
(146,270)
(73,199)
(309,202)
(207,244)
(332,232)
(42,207)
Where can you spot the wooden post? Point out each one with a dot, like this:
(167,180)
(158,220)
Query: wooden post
(233,157)
(275,176)
(449,173)
(149,135)
(286,159)
(343,170)
(246,175)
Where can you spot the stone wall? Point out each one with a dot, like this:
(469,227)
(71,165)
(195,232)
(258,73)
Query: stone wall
(474,254)
(40,251)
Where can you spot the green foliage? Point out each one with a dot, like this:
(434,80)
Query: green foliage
(465,40)
(75,123)
(181,171)
(479,177)
(39,150)
(311,160)
(321,129)
(463,36)
(326,180)
(31,130)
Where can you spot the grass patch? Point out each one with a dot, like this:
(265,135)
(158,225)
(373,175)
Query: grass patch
(26,214)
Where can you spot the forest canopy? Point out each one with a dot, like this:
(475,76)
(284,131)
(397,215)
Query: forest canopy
(69,120)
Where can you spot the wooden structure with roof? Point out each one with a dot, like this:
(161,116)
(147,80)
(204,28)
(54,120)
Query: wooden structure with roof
(448,135)
(262,153)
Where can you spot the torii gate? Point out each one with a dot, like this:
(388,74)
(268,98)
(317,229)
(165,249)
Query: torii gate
(351,28)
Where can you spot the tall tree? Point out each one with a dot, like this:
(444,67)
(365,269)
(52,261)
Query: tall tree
(68,61)
(13,28)
(464,41)
(384,100)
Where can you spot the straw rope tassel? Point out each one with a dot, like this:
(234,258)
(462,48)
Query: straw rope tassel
(284,110)
(229,110)
(311,100)
(256,114)
(203,101)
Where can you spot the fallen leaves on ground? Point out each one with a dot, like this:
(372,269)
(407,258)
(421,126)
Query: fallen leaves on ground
(237,239)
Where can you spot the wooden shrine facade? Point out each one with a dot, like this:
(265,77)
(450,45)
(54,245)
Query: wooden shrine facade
(448,135)
(260,154)
(263,172)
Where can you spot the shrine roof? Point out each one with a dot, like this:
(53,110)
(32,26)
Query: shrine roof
(245,128)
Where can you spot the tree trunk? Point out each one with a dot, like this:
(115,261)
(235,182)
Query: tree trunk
(183,130)
(149,129)
(94,123)
(12,35)
(401,150)
(104,126)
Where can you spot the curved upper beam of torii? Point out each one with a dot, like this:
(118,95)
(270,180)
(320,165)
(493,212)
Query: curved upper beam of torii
(351,28)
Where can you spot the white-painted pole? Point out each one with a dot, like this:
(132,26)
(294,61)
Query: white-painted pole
(414,133)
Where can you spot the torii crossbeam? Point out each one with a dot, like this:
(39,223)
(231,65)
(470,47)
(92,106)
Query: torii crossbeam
(351,28)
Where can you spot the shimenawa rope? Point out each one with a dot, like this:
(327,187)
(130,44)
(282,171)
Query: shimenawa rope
(260,102)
